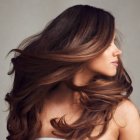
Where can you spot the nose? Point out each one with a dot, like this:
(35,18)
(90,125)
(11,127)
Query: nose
(117,52)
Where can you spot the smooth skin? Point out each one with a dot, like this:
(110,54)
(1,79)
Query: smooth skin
(102,64)
(126,116)
(125,124)
(128,113)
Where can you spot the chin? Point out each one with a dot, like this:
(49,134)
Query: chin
(111,74)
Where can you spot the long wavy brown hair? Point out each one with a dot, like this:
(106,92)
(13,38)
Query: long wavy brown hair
(43,61)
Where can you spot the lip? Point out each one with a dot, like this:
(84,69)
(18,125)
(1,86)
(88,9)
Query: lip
(115,63)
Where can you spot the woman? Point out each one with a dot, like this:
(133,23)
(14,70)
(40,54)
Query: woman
(70,82)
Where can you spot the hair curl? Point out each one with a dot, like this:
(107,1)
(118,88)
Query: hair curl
(45,60)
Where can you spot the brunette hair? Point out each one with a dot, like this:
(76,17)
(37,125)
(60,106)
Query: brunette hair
(45,60)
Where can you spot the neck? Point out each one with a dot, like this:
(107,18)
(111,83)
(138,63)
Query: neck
(63,95)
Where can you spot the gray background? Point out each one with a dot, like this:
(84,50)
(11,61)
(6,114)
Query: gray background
(22,18)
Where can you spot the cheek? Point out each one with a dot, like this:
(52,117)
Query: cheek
(102,65)
(97,64)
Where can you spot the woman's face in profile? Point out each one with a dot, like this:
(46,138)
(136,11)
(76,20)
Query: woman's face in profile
(107,62)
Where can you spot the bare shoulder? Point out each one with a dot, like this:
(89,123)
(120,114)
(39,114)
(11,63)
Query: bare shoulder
(125,112)
(127,117)
(127,109)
